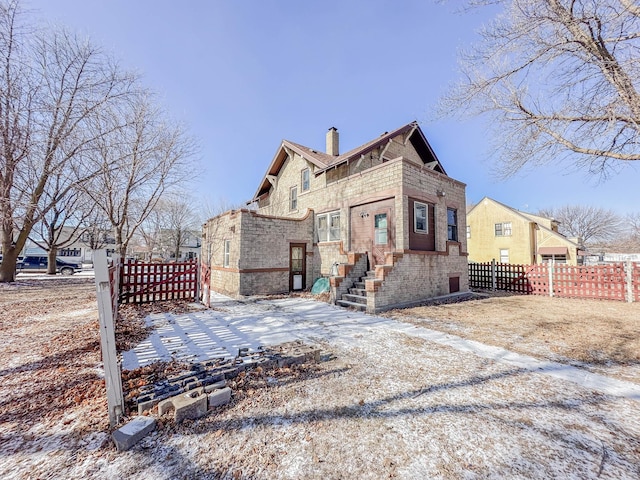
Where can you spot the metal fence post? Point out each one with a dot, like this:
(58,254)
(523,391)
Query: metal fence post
(113,380)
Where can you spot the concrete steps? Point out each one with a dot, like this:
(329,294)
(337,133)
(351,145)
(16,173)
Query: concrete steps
(357,296)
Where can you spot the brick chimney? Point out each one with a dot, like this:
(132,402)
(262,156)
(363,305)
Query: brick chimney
(332,142)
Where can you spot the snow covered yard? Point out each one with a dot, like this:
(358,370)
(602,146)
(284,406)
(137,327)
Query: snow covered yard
(396,400)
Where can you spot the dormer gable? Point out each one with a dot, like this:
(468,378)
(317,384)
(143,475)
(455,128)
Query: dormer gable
(383,146)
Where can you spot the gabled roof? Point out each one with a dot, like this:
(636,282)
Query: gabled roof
(324,162)
(525,216)
(413,133)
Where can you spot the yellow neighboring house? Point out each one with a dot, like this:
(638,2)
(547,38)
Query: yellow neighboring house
(496,231)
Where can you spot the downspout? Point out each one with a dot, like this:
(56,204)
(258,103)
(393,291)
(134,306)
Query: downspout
(535,242)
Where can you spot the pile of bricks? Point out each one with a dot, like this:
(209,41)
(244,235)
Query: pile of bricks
(212,375)
(191,394)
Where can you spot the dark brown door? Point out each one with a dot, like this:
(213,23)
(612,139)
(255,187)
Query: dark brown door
(297,266)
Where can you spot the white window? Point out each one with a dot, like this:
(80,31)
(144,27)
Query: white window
(328,227)
(380,229)
(504,255)
(554,259)
(468,231)
(452,224)
(293,198)
(305,179)
(420,218)
(227,249)
(503,229)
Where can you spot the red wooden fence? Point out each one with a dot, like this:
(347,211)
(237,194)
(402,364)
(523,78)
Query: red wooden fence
(611,282)
(151,282)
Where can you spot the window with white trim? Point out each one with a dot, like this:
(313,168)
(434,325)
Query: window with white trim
(452,224)
(504,255)
(305,180)
(468,231)
(503,229)
(381,232)
(328,227)
(227,250)
(293,198)
(420,215)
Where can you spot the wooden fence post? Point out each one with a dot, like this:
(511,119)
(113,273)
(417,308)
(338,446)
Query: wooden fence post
(550,269)
(493,275)
(113,380)
(629,280)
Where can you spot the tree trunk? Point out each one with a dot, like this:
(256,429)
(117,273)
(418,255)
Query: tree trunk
(51,267)
(8,264)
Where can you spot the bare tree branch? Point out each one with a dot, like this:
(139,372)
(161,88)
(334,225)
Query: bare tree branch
(52,85)
(560,80)
(590,224)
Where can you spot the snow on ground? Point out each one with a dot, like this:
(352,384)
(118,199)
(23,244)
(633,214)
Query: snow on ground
(397,401)
(233,325)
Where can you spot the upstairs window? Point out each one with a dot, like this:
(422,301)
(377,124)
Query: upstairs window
(305,180)
(452,224)
(293,198)
(503,229)
(420,218)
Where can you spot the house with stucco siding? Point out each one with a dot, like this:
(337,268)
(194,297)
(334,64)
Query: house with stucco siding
(498,232)
(383,221)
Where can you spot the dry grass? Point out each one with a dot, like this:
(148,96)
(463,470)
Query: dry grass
(601,335)
(389,405)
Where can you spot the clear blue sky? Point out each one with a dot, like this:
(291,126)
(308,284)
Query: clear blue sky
(245,74)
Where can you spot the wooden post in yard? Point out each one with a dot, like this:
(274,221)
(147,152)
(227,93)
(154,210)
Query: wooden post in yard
(113,380)
(629,280)
(493,274)
(550,269)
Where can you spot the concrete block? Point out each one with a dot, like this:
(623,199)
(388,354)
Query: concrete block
(134,431)
(215,386)
(190,405)
(219,397)
(149,402)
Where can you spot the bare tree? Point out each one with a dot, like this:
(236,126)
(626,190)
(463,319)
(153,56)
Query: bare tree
(633,220)
(63,224)
(209,208)
(559,80)
(149,232)
(51,85)
(139,163)
(180,223)
(590,224)
(96,230)
(171,225)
